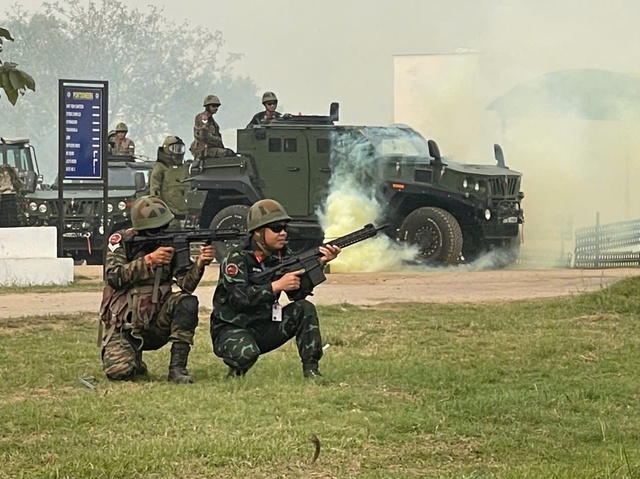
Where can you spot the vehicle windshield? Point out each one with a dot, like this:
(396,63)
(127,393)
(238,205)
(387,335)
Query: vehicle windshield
(17,156)
(119,177)
(392,141)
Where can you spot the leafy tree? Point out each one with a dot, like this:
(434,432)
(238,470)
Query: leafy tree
(158,70)
(13,80)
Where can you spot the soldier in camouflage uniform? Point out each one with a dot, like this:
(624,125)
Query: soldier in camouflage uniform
(168,179)
(139,309)
(206,132)
(122,146)
(247,319)
(270,102)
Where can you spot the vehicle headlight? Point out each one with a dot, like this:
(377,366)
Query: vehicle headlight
(465,183)
(122,205)
(101,230)
(42,208)
(33,206)
(476,187)
(109,207)
(487,214)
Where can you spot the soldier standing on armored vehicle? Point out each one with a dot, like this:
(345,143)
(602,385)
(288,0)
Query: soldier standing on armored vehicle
(207,140)
(122,146)
(168,179)
(270,102)
(139,309)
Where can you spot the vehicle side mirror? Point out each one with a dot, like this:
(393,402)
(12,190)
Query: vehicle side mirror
(434,151)
(334,111)
(499,155)
(141,183)
(30,181)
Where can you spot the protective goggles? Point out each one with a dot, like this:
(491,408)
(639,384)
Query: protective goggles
(176,148)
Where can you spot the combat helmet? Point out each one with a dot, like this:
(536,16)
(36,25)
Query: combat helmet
(121,127)
(173,145)
(269,96)
(150,212)
(211,100)
(264,212)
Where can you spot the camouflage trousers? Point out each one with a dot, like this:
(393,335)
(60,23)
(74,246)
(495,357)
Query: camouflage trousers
(176,321)
(240,347)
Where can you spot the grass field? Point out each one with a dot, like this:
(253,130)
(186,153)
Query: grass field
(545,389)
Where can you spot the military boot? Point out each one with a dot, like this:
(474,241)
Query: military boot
(178,363)
(310,371)
(141,366)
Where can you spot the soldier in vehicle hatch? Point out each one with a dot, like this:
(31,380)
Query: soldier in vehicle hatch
(270,102)
(168,179)
(207,140)
(122,146)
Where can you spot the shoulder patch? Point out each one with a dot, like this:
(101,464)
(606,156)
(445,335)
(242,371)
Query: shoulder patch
(204,118)
(231,270)
(115,238)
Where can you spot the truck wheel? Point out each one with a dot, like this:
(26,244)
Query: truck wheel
(235,217)
(506,254)
(435,232)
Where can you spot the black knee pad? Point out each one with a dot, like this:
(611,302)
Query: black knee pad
(186,313)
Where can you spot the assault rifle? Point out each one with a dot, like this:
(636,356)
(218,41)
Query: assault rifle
(180,240)
(309,261)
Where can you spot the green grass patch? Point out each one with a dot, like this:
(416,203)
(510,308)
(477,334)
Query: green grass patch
(79,284)
(536,389)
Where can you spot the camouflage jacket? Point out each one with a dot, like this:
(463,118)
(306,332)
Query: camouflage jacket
(167,181)
(130,283)
(125,147)
(206,132)
(262,118)
(237,299)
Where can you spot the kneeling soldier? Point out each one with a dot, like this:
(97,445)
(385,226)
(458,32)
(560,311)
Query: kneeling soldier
(139,309)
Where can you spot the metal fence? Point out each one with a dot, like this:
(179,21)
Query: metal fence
(595,246)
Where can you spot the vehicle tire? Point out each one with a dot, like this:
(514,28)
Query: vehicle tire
(506,253)
(234,216)
(436,233)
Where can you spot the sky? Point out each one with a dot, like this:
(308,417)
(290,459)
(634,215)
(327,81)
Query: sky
(314,52)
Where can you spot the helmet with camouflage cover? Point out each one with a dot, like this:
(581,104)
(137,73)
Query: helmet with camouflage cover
(211,100)
(269,96)
(122,126)
(264,212)
(150,212)
(173,145)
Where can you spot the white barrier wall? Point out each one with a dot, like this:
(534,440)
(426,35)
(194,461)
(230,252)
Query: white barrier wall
(28,257)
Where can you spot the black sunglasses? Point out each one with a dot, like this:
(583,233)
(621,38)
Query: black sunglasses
(270,103)
(278,228)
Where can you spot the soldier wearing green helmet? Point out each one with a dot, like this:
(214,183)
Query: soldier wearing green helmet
(122,146)
(207,140)
(247,318)
(139,310)
(270,102)
(169,178)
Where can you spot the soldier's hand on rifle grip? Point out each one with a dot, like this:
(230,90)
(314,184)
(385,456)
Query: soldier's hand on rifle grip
(329,253)
(207,253)
(288,282)
(162,255)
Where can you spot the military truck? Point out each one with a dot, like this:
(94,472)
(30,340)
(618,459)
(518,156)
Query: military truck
(450,211)
(21,155)
(85,234)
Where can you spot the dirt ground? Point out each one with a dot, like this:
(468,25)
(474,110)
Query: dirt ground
(439,286)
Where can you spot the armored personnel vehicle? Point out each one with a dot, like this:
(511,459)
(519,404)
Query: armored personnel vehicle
(21,155)
(450,211)
(84,234)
